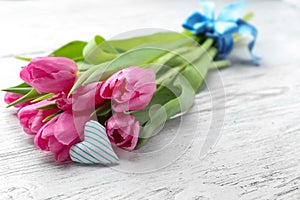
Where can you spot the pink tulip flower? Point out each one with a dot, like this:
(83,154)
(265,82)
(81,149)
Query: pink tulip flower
(82,99)
(87,97)
(31,119)
(129,89)
(58,135)
(62,101)
(50,74)
(11,97)
(123,131)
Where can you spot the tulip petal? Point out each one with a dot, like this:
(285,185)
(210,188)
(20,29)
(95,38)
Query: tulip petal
(123,130)
(63,155)
(41,142)
(50,74)
(54,145)
(65,130)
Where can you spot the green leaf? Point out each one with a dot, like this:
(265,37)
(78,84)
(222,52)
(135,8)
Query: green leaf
(51,105)
(105,46)
(29,96)
(136,57)
(72,50)
(99,51)
(51,116)
(162,37)
(103,71)
(22,91)
(23,58)
(22,88)
(140,56)
(84,76)
(160,97)
(164,60)
(248,16)
(46,96)
(103,112)
(173,107)
(103,109)
(22,85)
(83,66)
(196,70)
(188,82)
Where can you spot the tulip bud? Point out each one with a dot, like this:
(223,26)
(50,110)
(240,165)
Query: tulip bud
(123,131)
(11,97)
(31,119)
(129,89)
(50,74)
(58,135)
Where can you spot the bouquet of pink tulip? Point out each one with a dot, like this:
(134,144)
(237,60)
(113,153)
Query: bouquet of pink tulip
(86,97)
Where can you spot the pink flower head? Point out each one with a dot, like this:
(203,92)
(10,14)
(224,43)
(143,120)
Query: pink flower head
(123,130)
(130,89)
(58,135)
(83,98)
(50,74)
(87,97)
(31,119)
(11,97)
(62,101)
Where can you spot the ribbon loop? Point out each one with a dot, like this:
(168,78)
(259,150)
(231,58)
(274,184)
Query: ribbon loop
(223,27)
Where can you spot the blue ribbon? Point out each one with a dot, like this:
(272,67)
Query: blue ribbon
(222,28)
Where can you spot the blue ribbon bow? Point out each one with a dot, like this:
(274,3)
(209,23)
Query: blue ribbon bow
(223,27)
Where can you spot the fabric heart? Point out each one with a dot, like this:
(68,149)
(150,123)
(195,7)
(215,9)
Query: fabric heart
(95,148)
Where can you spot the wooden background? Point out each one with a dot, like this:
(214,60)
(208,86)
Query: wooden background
(258,153)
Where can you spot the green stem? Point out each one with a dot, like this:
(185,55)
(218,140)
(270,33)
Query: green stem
(213,51)
(220,64)
(248,17)
(46,96)
(207,44)
(51,116)
(170,74)
(23,58)
(103,109)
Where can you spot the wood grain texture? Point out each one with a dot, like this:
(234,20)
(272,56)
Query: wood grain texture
(257,155)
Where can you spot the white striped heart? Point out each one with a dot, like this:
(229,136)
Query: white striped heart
(95,148)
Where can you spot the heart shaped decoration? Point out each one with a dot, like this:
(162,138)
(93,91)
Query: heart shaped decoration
(95,147)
